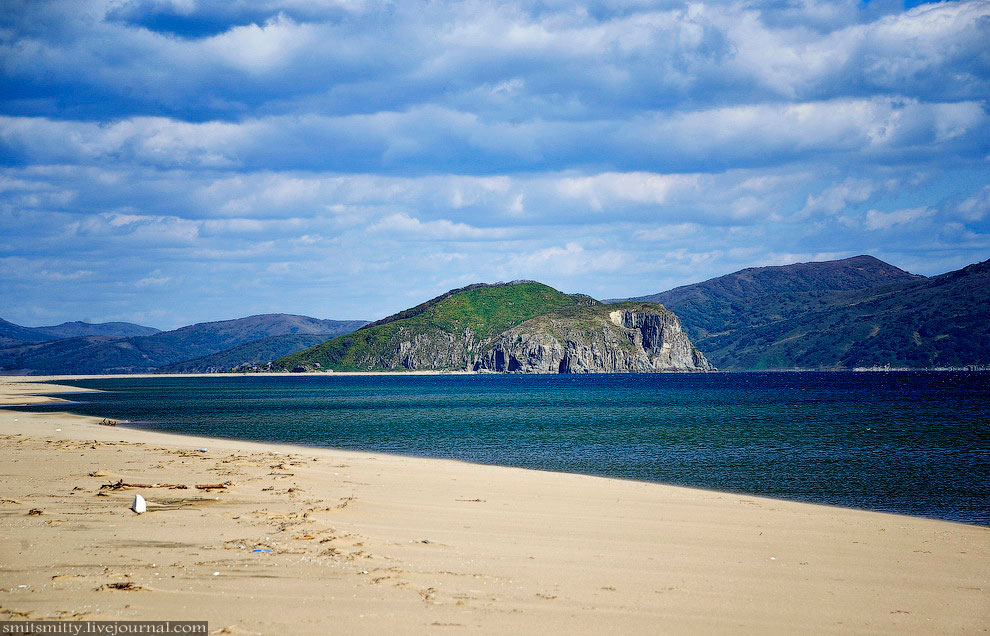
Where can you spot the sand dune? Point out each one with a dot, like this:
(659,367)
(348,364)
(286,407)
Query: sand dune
(312,541)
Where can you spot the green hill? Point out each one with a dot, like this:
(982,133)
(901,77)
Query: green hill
(521,327)
(447,332)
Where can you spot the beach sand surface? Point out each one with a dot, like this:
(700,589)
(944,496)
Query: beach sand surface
(316,541)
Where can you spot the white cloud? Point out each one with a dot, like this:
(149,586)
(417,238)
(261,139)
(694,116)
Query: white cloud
(568,260)
(262,49)
(876,220)
(409,227)
(154,279)
(741,135)
(847,125)
(669,232)
(977,206)
(605,189)
(835,198)
(60,276)
(550,57)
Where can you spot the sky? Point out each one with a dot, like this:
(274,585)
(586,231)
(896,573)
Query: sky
(168,162)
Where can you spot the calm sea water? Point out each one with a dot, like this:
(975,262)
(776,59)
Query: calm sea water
(908,442)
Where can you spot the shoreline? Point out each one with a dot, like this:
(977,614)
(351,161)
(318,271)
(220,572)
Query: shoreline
(179,437)
(420,545)
(41,378)
(287,447)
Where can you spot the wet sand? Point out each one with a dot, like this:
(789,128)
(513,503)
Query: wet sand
(314,541)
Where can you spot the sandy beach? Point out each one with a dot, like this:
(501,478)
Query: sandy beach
(314,541)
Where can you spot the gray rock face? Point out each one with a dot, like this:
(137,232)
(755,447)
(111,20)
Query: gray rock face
(628,338)
(433,350)
(583,337)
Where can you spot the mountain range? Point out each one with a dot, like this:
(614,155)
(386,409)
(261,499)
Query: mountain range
(854,312)
(150,353)
(11,334)
(848,313)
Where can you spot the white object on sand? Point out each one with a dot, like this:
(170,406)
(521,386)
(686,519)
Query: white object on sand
(139,504)
(203,450)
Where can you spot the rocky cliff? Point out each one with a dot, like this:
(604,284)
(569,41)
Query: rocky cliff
(623,338)
(522,326)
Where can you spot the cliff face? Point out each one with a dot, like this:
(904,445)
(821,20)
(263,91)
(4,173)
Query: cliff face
(522,326)
(625,338)
(435,349)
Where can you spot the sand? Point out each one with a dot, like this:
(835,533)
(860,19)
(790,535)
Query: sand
(313,541)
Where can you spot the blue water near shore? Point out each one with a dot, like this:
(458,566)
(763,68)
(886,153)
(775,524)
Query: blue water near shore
(915,443)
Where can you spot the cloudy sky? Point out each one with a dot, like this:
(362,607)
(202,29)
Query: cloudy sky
(174,161)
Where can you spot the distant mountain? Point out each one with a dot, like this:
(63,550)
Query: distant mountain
(212,337)
(838,314)
(11,334)
(257,352)
(759,295)
(145,354)
(523,326)
(110,329)
(88,354)
(943,321)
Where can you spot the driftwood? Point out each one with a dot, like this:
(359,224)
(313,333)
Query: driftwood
(106,422)
(120,485)
(214,486)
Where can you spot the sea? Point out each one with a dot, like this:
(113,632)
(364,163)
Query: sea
(914,443)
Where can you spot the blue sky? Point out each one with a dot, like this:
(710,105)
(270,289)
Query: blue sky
(174,161)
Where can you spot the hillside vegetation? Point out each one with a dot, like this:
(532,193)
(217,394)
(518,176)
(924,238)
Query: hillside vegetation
(447,332)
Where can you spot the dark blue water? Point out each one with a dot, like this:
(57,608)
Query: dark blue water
(914,442)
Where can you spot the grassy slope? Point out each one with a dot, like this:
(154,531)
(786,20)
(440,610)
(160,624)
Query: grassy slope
(485,311)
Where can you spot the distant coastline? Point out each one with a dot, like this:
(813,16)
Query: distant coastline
(220,374)
(856,314)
